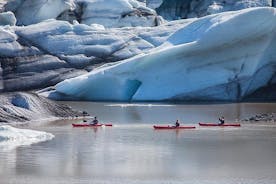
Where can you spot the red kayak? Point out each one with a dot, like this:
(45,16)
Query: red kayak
(89,125)
(168,127)
(224,125)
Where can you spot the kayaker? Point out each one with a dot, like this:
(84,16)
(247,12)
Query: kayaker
(83,116)
(177,124)
(95,121)
(221,120)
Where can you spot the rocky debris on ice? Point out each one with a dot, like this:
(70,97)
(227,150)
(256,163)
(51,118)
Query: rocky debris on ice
(22,106)
(109,13)
(226,56)
(11,137)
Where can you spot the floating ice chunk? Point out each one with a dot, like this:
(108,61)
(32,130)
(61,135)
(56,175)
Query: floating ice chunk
(11,137)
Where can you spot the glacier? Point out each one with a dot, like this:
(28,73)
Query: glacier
(118,13)
(43,54)
(109,13)
(30,12)
(176,9)
(121,13)
(225,56)
(7,18)
(11,137)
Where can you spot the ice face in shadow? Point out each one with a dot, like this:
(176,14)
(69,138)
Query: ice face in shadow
(219,57)
(176,9)
(11,137)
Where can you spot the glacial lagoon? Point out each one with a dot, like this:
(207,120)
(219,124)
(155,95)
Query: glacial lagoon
(133,152)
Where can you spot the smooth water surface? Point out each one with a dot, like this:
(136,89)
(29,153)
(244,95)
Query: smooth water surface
(141,113)
(132,152)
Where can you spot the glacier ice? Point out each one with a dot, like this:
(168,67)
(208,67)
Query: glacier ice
(175,9)
(11,137)
(48,52)
(7,18)
(30,12)
(118,13)
(225,56)
(109,13)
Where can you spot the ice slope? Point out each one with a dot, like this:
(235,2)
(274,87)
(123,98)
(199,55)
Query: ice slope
(225,56)
(11,137)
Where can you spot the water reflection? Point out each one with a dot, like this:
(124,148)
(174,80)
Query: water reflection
(168,113)
(133,151)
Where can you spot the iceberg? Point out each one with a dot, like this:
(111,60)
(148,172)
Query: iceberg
(11,137)
(225,56)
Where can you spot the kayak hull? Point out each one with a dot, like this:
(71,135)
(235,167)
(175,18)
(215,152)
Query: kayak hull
(217,125)
(167,127)
(88,125)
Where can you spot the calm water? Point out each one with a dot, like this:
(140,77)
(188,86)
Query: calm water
(132,152)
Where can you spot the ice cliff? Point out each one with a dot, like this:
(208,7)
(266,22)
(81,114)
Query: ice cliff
(43,54)
(225,56)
